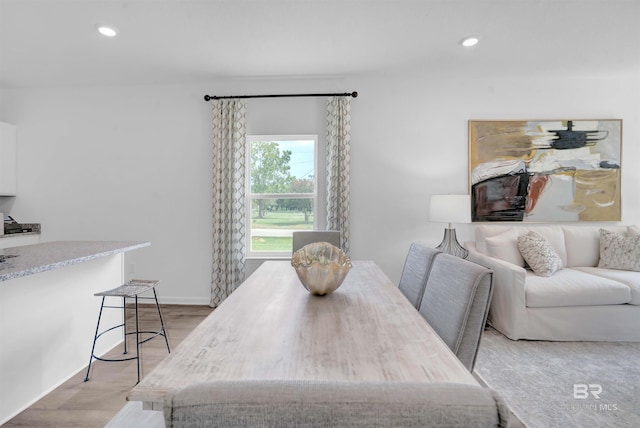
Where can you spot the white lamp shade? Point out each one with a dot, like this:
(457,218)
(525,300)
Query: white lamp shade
(450,208)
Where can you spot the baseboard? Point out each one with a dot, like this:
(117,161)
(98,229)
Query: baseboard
(479,379)
(184,300)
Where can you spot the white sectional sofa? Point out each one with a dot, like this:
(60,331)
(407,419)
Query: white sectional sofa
(580,302)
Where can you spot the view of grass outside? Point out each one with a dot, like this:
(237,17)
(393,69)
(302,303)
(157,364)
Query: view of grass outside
(274,222)
(282,191)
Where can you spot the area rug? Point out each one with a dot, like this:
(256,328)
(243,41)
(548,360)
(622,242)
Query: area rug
(564,384)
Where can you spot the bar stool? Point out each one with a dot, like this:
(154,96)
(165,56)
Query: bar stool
(131,289)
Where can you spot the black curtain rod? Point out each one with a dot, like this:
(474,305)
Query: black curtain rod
(353,94)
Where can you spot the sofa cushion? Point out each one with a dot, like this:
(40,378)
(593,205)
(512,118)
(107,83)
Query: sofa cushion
(539,254)
(583,243)
(504,246)
(627,277)
(553,234)
(619,252)
(570,287)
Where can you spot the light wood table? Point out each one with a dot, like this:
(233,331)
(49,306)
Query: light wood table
(272,328)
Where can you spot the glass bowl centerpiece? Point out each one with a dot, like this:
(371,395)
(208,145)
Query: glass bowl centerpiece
(321,267)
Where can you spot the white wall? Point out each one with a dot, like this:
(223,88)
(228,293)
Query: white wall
(119,163)
(410,141)
(133,163)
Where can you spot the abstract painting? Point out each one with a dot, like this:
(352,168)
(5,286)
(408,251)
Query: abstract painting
(545,170)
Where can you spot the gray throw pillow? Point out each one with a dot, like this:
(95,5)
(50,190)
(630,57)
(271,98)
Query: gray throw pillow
(539,254)
(619,252)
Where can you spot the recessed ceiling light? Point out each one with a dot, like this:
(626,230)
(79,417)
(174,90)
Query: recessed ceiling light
(107,31)
(469,41)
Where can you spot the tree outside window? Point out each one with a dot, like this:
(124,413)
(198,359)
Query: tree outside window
(282,191)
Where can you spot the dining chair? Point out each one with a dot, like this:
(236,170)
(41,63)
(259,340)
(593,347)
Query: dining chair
(302,238)
(416,270)
(456,304)
(273,403)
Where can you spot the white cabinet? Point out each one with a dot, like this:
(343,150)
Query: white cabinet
(7,159)
(19,240)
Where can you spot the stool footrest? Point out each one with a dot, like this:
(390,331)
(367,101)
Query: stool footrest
(154,333)
(114,360)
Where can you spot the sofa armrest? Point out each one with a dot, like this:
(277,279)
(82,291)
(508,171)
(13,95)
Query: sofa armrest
(508,306)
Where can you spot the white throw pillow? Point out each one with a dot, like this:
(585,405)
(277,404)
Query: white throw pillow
(539,254)
(504,246)
(619,252)
(484,231)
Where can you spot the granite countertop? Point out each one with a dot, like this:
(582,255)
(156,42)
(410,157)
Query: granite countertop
(30,259)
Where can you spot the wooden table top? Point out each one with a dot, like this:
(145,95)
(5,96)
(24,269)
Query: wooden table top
(272,328)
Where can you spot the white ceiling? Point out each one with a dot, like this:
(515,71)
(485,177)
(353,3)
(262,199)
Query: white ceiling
(55,43)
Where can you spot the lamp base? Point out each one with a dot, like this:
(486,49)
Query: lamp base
(450,244)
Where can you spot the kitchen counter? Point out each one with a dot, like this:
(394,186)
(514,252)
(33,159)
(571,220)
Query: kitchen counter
(31,259)
(48,314)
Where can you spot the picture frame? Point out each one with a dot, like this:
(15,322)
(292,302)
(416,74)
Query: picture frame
(567,170)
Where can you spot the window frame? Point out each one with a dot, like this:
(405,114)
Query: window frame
(250,196)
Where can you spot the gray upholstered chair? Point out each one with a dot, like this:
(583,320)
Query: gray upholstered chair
(456,303)
(333,404)
(415,272)
(302,238)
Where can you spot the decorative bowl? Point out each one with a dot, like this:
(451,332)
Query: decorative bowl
(321,267)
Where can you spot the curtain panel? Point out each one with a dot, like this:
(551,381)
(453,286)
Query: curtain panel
(228,264)
(338,173)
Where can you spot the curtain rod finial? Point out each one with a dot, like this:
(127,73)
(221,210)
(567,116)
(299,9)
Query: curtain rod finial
(207,98)
(354,94)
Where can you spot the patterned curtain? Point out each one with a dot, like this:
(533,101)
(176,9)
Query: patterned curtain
(338,157)
(229,128)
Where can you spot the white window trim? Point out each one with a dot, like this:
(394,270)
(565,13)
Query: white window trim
(319,215)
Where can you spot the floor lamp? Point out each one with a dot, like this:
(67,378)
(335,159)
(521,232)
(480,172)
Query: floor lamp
(451,209)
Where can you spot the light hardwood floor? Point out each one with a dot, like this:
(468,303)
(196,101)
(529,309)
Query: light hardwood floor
(92,404)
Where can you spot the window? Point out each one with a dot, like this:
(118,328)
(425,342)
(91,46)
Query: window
(282,191)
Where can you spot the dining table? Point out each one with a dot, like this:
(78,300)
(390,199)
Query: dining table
(272,328)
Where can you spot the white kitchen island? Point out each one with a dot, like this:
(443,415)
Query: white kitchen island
(48,314)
